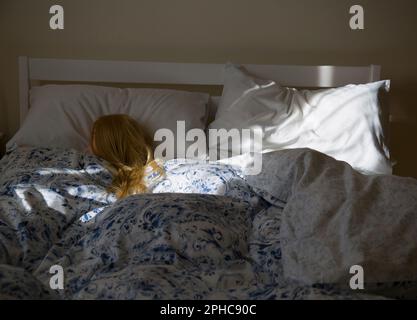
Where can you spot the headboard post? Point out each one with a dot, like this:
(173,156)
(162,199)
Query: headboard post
(375,73)
(23,87)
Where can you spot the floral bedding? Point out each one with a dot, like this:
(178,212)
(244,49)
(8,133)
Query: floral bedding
(203,231)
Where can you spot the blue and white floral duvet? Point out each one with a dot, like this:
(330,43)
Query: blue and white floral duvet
(203,233)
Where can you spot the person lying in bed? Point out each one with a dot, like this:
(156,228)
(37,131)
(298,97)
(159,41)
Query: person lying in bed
(126,146)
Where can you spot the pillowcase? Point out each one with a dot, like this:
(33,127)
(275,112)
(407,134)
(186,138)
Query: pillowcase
(63,115)
(344,122)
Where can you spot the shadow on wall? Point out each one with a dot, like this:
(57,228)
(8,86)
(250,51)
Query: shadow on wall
(403,128)
(404,148)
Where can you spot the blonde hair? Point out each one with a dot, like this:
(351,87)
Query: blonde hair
(124,144)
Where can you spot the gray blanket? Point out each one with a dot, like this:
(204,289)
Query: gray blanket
(336,218)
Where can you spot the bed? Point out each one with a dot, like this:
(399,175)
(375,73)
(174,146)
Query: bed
(209,230)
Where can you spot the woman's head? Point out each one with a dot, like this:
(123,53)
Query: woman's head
(122,142)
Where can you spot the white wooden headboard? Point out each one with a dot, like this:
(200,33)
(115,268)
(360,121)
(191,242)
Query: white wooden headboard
(32,69)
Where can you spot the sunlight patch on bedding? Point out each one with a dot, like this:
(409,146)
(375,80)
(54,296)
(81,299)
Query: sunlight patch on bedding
(88,170)
(91,192)
(91,214)
(21,195)
(31,196)
(50,171)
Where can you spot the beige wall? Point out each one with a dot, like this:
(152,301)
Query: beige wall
(246,31)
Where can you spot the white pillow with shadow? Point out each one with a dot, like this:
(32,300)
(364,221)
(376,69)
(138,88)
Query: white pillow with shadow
(63,115)
(345,122)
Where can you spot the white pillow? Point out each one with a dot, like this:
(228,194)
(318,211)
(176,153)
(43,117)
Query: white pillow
(344,122)
(63,115)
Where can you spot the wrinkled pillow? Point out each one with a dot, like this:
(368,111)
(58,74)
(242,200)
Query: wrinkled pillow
(345,122)
(63,115)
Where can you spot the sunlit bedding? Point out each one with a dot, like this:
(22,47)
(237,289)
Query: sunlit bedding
(205,232)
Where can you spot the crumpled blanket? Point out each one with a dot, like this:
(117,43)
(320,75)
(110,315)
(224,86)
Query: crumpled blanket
(335,218)
(206,232)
